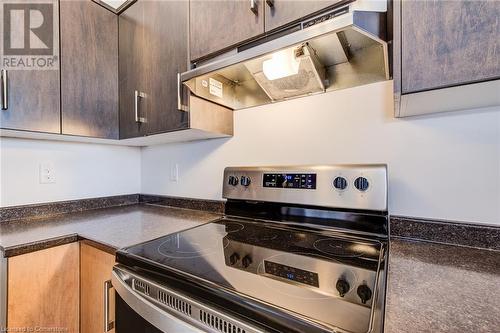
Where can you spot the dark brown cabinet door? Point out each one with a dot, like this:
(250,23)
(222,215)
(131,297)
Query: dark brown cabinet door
(281,12)
(446,43)
(133,50)
(167,55)
(33,93)
(219,24)
(153,49)
(89,70)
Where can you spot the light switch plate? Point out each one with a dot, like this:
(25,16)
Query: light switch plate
(47,174)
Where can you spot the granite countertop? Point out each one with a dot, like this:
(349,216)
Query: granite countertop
(431,287)
(442,288)
(115,227)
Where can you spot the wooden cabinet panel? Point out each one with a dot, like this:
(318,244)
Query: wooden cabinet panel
(447,43)
(167,56)
(219,24)
(286,11)
(151,55)
(43,289)
(95,269)
(34,95)
(89,70)
(133,50)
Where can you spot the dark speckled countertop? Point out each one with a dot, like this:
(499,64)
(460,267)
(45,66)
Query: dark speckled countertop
(115,227)
(431,287)
(442,288)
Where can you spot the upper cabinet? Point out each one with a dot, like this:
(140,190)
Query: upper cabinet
(89,70)
(30,91)
(281,12)
(211,32)
(74,91)
(457,40)
(152,50)
(167,56)
(218,24)
(133,82)
(447,45)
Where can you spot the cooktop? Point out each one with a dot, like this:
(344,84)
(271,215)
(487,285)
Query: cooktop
(308,272)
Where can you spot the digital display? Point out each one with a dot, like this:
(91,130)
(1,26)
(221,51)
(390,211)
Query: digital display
(290,180)
(291,273)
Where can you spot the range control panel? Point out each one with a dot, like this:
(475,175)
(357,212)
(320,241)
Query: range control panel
(334,186)
(329,277)
(290,180)
(291,273)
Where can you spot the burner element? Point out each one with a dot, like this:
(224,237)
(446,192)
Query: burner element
(177,246)
(251,233)
(338,248)
(233,227)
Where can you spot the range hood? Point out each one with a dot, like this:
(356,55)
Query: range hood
(340,48)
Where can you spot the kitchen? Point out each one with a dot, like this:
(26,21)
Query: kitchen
(175,172)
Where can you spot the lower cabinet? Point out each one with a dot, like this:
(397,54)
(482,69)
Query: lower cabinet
(95,273)
(43,290)
(61,289)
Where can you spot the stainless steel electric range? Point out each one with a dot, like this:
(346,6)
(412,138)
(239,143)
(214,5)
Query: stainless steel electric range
(300,249)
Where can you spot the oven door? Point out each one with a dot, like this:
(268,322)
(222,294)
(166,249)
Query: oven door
(135,314)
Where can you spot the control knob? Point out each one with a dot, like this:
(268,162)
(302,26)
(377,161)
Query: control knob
(234,258)
(246,261)
(342,287)
(364,293)
(340,183)
(233,180)
(361,183)
(245,181)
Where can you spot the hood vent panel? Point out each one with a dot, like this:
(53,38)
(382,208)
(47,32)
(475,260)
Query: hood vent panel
(308,78)
(339,49)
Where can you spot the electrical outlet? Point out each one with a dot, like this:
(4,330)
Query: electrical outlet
(47,173)
(174,172)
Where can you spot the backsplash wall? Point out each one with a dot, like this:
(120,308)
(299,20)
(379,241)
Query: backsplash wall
(444,166)
(81,171)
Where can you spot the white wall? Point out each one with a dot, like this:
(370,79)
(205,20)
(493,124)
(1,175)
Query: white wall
(82,171)
(444,166)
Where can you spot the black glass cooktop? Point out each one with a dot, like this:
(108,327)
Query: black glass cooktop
(188,250)
(294,269)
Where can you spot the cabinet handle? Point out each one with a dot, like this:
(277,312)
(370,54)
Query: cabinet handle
(137,95)
(180,95)
(108,326)
(4,89)
(270,3)
(253,6)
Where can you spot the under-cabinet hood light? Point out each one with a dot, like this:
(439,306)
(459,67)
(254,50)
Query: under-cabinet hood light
(282,64)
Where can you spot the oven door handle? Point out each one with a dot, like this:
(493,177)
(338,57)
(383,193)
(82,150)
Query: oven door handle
(162,320)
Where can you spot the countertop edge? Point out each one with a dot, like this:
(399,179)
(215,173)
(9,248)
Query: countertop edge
(66,238)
